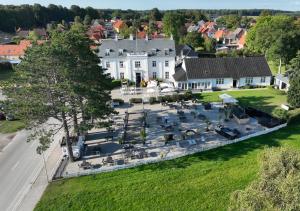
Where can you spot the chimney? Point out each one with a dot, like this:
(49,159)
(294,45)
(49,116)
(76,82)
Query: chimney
(147,37)
(116,37)
(131,37)
(171,38)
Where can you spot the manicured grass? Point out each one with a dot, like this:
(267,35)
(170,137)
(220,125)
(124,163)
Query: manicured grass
(264,99)
(203,181)
(11,126)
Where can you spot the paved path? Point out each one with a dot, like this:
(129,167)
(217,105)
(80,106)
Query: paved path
(20,168)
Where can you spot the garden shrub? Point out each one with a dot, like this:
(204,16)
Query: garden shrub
(281,114)
(136,100)
(152,100)
(116,84)
(118,100)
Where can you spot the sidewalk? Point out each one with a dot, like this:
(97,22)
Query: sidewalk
(53,157)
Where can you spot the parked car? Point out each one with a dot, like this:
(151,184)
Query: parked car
(2,116)
(10,117)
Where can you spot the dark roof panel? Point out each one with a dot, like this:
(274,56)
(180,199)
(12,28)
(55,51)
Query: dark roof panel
(227,67)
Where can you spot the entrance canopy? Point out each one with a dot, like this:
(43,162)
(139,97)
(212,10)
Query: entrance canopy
(226,98)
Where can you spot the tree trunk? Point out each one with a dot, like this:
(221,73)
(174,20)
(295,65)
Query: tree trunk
(67,134)
(75,122)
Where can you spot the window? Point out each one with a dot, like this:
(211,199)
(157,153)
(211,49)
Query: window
(167,63)
(220,81)
(121,64)
(263,80)
(179,85)
(249,80)
(166,75)
(107,65)
(137,64)
(154,75)
(107,52)
(153,63)
(121,75)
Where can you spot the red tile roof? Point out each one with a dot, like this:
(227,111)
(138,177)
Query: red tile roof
(219,34)
(242,40)
(141,35)
(14,50)
(118,24)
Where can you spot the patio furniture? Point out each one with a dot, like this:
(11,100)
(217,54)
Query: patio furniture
(181,113)
(182,118)
(201,117)
(96,166)
(85,165)
(191,142)
(227,133)
(207,106)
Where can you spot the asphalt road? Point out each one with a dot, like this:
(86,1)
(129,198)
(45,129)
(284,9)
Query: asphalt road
(19,166)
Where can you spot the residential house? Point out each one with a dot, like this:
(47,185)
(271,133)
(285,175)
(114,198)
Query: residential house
(233,39)
(282,81)
(160,26)
(5,38)
(222,73)
(138,59)
(118,25)
(193,28)
(41,33)
(208,29)
(13,53)
(96,32)
(220,35)
(184,51)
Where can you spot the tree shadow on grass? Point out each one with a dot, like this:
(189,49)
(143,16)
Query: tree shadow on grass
(228,152)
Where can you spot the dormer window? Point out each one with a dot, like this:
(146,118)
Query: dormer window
(107,52)
(121,51)
(167,50)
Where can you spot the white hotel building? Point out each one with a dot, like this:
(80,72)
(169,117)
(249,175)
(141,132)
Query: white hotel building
(138,60)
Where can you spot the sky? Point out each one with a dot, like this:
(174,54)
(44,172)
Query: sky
(292,5)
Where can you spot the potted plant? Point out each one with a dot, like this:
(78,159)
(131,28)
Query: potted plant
(143,135)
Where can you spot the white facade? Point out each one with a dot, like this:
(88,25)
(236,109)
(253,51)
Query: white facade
(139,59)
(149,67)
(222,83)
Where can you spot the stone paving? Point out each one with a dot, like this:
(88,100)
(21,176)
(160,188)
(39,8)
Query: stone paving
(159,117)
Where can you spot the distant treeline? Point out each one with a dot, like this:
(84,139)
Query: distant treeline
(29,16)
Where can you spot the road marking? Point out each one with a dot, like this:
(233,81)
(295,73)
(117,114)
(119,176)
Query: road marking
(15,166)
(11,141)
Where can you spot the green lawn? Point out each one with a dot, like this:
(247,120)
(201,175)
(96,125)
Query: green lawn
(11,126)
(264,99)
(203,181)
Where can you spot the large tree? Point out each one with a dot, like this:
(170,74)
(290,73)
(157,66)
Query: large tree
(194,39)
(155,15)
(294,76)
(277,186)
(173,23)
(61,79)
(275,36)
